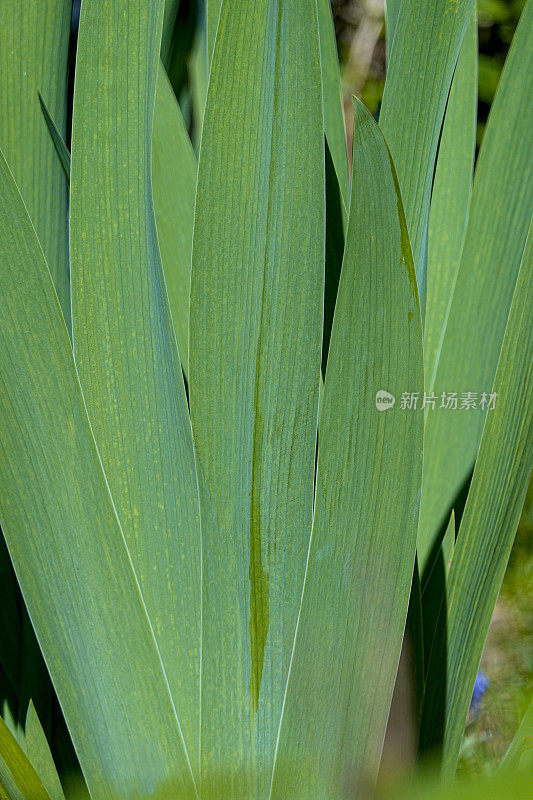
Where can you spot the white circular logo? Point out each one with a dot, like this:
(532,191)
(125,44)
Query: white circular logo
(384,400)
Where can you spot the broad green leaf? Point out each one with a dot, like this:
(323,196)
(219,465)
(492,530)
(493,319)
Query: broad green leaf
(66,544)
(174,185)
(492,511)
(331,88)
(254,370)
(34,39)
(500,211)
(17,775)
(39,754)
(332,98)
(520,751)
(367,498)
(450,199)
(427,38)
(123,337)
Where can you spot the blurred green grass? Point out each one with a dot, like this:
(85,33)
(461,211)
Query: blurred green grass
(507,659)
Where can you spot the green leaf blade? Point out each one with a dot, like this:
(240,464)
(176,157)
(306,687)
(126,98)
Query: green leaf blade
(124,342)
(450,200)
(34,40)
(332,98)
(342,675)
(40,756)
(255,340)
(59,143)
(492,511)
(17,774)
(174,170)
(427,40)
(500,212)
(65,541)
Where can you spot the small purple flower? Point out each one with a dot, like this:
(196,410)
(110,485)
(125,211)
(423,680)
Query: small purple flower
(480,687)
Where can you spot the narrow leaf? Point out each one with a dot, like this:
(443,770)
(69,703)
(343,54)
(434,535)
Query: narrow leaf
(174,185)
(332,98)
(124,341)
(428,37)
(448,542)
(198,78)
(16,773)
(367,498)
(40,756)
(450,199)
(59,144)
(174,169)
(500,212)
(255,335)
(492,511)
(392,10)
(66,544)
(212,17)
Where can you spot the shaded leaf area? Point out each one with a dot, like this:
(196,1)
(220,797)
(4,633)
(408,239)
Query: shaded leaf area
(334,250)
(332,101)
(174,170)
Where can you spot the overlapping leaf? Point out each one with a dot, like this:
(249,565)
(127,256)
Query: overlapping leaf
(367,499)
(18,778)
(66,543)
(40,756)
(427,39)
(392,10)
(500,211)
(169,21)
(492,512)
(255,333)
(450,199)
(123,337)
(332,98)
(34,39)
(174,187)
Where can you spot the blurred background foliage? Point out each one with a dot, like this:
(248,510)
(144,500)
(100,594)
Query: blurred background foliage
(360,29)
